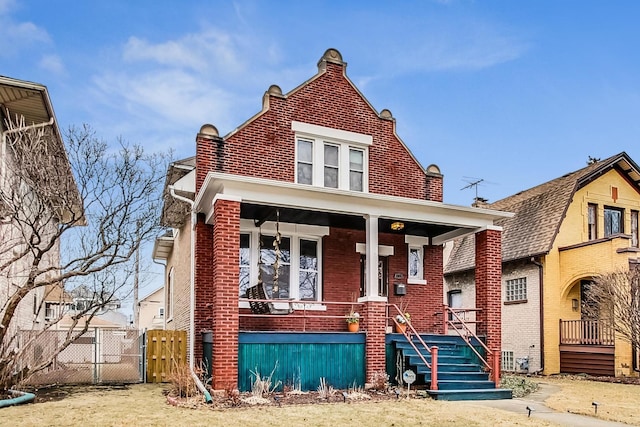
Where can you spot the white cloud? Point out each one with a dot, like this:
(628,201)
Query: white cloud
(199,52)
(52,63)
(16,36)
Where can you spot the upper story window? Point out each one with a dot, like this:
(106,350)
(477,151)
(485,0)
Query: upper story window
(592,216)
(331,158)
(613,221)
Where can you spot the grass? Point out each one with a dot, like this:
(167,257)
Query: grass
(617,402)
(145,405)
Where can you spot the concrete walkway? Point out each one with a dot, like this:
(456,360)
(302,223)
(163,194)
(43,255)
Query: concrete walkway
(535,401)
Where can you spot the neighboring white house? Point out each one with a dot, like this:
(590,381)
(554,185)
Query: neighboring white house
(27,106)
(151,314)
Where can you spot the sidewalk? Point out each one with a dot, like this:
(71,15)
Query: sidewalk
(535,401)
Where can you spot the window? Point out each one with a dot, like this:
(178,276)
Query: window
(415,257)
(331,158)
(331,165)
(161,312)
(356,170)
(634,229)
(613,221)
(516,289)
(299,272)
(592,221)
(305,161)
(170,294)
(508,361)
(245,262)
(415,263)
(308,281)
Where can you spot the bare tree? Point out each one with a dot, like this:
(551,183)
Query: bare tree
(615,297)
(68,218)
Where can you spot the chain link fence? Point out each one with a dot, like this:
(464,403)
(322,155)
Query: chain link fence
(99,356)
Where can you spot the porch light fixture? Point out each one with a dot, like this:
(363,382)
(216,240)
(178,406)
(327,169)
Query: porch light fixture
(575,304)
(397,226)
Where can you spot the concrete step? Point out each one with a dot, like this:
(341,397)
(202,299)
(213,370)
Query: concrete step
(478,394)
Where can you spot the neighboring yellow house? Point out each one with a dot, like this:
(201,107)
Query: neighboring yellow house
(564,233)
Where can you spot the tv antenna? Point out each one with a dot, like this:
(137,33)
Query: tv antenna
(475,184)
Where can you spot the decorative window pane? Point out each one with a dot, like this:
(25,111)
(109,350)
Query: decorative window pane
(308,269)
(245,263)
(516,289)
(415,263)
(612,221)
(356,169)
(305,162)
(592,214)
(279,289)
(331,162)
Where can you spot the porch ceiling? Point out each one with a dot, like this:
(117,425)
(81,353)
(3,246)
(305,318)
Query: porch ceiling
(305,204)
(263,213)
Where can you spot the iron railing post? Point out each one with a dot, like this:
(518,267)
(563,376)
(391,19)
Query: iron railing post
(496,367)
(434,368)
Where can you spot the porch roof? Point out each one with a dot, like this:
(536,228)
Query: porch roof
(306,204)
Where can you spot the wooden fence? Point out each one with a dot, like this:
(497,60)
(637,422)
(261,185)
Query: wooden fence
(166,350)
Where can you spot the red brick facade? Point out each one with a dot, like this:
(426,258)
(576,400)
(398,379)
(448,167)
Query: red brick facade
(264,147)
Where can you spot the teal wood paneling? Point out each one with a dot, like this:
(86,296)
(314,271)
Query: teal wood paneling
(302,358)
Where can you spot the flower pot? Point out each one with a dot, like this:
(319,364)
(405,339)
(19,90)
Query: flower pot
(353,327)
(401,327)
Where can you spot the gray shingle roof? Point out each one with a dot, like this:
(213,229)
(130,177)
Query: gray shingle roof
(538,214)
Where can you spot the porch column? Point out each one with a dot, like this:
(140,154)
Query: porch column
(489,289)
(226,247)
(371,266)
(375,312)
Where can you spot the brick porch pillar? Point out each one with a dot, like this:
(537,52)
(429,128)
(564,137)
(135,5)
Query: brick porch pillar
(489,288)
(376,333)
(226,247)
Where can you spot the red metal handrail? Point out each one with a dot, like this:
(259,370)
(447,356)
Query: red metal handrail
(466,333)
(408,335)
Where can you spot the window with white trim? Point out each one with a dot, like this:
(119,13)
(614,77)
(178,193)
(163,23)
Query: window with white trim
(516,289)
(331,158)
(415,259)
(299,262)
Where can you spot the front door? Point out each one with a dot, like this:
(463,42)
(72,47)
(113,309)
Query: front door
(383,276)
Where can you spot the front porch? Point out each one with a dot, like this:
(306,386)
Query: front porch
(587,347)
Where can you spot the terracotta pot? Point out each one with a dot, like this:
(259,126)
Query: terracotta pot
(401,327)
(353,327)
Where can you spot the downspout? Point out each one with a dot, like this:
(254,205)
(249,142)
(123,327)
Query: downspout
(192,300)
(3,149)
(541,286)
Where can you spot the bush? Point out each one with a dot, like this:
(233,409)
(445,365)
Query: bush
(520,385)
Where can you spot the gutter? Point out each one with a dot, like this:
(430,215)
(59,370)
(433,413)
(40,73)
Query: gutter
(192,274)
(541,286)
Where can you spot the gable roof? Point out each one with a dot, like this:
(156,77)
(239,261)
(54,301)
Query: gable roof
(539,212)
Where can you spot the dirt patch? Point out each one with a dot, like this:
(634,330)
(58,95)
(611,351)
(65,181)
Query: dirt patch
(224,400)
(54,393)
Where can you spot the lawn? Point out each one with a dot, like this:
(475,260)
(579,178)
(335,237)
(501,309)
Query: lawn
(145,405)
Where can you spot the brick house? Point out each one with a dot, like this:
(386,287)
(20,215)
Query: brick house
(319,188)
(564,233)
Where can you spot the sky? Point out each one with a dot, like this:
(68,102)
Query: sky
(511,93)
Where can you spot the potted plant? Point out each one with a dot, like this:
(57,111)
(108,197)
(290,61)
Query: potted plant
(402,320)
(353,321)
